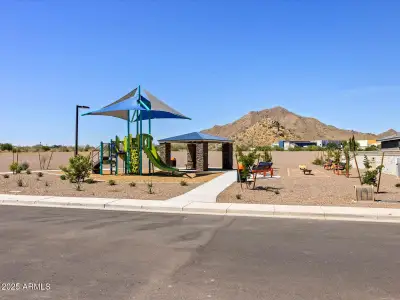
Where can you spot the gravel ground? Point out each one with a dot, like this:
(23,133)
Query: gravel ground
(322,188)
(33,185)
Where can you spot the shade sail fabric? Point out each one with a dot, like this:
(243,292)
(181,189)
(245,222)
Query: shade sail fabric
(195,137)
(126,97)
(118,109)
(154,108)
(158,109)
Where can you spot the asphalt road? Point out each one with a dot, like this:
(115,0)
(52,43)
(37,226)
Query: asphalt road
(89,254)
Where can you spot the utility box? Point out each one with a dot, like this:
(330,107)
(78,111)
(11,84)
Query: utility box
(364,192)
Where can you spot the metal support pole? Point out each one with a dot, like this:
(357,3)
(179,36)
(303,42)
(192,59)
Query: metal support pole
(116,156)
(380,172)
(76,129)
(128,150)
(77,126)
(101,158)
(140,139)
(149,141)
(110,157)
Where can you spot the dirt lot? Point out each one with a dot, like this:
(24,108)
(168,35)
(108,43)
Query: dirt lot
(322,188)
(52,185)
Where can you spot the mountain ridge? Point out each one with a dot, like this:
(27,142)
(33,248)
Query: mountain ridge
(264,127)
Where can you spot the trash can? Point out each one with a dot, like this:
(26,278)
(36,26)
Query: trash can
(173,162)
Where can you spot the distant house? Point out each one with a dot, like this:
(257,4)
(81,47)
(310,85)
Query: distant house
(291,144)
(391,142)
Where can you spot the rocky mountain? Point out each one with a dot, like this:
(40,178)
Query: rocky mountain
(259,128)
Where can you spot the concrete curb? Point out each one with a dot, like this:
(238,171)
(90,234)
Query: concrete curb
(365,214)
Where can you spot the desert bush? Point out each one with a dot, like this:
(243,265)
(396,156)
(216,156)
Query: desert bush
(112,182)
(238,196)
(78,170)
(20,182)
(318,161)
(371,148)
(6,147)
(183,183)
(6,176)
(247,160)
(39,174)
(150,188)
(45,148)
(13,167)
(18,170)
(370,175)
(132,184)
(90,181)
(397,185)
(63,177)
(28,171)
(24,166)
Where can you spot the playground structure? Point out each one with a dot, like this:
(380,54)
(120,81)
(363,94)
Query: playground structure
(130,150)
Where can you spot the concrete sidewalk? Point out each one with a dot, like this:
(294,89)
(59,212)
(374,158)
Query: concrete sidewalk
(195,207)
(207,192)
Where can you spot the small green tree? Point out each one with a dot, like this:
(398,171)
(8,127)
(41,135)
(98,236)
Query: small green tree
(13,167)
(78,170)
(370,175)
(367,163)
(247,160)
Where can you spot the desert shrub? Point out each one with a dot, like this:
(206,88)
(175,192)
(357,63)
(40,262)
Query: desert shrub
(28,171)
(90,181)
(132,184)
(63,177)
(78,170)
(45,148)
(277,148)
(150,188)
(39,174)
(247,160)
(238,196)
(18,170)
(112,182)
(371,148)
(13,167)
(24,166)
(6,147)
(6,176)
(20,182)
(370,175)
(367,163)
(183,183)
(297,148)
(336,156)
(397,185)
(332,146)
(318,161)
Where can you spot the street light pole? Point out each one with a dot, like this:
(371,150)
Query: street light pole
(77,126)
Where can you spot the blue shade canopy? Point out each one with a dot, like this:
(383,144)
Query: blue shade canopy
(120,108)
(195,137)
(158,109)
(150,106)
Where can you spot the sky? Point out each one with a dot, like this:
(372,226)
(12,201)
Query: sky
(212,60)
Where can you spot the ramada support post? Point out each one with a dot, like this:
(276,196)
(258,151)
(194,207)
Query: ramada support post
(165,153)
(191,156)
(227,156)
(202,156)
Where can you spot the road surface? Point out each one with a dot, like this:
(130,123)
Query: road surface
(57,253)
